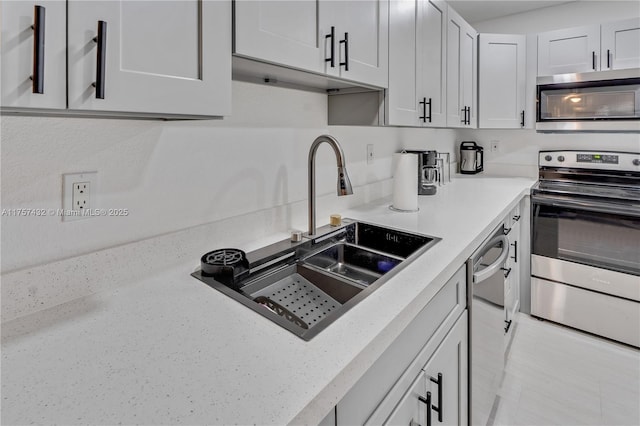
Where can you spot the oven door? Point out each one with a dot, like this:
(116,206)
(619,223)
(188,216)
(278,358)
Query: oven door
(588,243)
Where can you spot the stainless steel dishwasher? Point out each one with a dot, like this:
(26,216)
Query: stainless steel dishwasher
(486,276)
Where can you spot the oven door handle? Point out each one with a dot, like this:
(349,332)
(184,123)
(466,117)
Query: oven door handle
(482,275)
(593,206)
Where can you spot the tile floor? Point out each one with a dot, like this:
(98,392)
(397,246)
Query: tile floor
(559,376)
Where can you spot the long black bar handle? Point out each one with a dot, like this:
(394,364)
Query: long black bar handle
(438,409)
(101,40)
(522,118)
(427,401)
(608,58)
(346,52)
(38,49)
(332,59)
(429,116)
(469,115)
(593,59)
(423,117)
(515,251)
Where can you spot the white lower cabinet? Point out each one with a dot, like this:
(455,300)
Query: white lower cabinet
(434,343)
(439,393)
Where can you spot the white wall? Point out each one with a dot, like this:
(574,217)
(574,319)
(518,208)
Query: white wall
(573,14)
(175,175)
(518,151)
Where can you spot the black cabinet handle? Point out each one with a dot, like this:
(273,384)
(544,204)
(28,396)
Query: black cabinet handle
(522,118)
(608,58)
(469,115)
(438,409)
(593,60)
(429,116)
(38,49)
(346,52)
(507,272)
(516,218)
(515,248)
(423,117)
(507,326)
(506,231)
(101,40)
(331,59)
(427,401)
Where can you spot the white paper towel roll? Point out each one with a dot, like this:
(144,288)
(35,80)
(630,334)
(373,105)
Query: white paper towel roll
(405,182)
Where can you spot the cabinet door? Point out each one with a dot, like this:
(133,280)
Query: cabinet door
(160,57)
(569,50)
(403,100)
(502,81)
(461,75)
(469,75)
(431,53)
(411,409)
(443,382)
(620,47)
(282,32)
(19,52)
(447,377)
(362,39)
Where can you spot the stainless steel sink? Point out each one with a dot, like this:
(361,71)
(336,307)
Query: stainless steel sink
(353,262)
(305,286)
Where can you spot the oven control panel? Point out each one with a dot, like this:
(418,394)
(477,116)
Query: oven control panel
(601,160)
(598,158)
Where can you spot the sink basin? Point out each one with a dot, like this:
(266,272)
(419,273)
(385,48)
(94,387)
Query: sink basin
(305,286)
(353,262)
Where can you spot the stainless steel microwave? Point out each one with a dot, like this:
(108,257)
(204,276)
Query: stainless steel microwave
(603,101)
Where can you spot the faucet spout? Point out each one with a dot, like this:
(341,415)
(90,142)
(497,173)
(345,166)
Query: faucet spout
(344,184)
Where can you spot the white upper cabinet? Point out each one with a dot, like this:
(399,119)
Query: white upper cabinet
(461,72)
(361,39)
(282,32)
(417,63)
(610,46)
(345,39)
(152,57)
(33,54)
(502,81)
(620,45)
(569,50)
(117,58)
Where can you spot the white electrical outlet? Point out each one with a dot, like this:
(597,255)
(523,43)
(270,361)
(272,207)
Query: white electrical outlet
(370,155)
(495,146)
(78,195)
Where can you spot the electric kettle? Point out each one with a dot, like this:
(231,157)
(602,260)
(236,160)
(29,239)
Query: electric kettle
(471,158)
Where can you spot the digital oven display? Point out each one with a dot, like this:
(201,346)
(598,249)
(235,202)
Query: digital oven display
(597,158)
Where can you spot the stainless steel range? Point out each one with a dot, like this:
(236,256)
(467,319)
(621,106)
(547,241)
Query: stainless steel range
(585,262)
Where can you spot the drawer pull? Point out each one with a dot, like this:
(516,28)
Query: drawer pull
(427,401)
(345,64)
(515,251)
(38,49)
(101,41)
(332,59)
(438,409)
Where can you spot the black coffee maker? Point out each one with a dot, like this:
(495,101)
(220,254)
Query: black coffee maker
(471,158)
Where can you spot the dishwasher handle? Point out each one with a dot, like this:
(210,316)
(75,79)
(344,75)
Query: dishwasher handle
(480,276)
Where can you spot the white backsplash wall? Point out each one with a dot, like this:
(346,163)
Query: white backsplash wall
(180,174)
(518,149)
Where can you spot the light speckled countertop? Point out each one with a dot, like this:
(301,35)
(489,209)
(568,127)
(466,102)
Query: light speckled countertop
(170,350)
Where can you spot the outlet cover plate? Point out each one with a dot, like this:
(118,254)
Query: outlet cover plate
(79,189)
